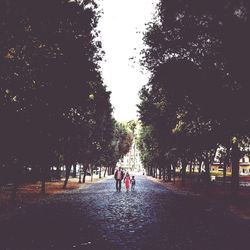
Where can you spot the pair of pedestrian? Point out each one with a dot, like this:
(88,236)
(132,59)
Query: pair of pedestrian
(128,181)
(119,176)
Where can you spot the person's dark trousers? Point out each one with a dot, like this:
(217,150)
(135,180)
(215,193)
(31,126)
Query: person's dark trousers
(118,185)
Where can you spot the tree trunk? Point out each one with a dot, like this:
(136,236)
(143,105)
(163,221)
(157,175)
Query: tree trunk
(193,168)
(80,176)
(105,171)
(151,173)
(174,172)
(111,170)
(92,172)
(169,171)
(164,174)
(68,169)
(200,165)
(190,171)
(199,172)
(74,171)
(207,170)
(224,173)
(235,167)
(190,168)
(183,168)
(100,173)
(84,173)
(160,173)
(58,172)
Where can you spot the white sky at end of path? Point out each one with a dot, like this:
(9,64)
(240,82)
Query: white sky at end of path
(121,27)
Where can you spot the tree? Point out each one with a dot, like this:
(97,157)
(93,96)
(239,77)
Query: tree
(49,63)
(192,69)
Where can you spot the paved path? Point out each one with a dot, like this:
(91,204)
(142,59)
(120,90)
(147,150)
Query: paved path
(97,217)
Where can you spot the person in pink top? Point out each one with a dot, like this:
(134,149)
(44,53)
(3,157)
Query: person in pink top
(127,181)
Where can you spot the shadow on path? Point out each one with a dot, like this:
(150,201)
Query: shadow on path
(97,217)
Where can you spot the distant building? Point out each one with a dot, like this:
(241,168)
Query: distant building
(244,166)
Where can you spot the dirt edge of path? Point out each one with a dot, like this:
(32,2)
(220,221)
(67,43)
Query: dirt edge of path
(29,194)
(239,206)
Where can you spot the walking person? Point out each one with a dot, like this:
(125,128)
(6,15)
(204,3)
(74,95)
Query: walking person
(118,178)
(127,181)
(132,183)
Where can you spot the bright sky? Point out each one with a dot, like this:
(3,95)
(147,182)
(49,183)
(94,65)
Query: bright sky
(121,29)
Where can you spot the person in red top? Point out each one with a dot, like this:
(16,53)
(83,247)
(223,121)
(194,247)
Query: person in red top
(127,181)
(118,178)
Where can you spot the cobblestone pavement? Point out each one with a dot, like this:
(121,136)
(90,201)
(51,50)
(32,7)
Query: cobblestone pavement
(97,217)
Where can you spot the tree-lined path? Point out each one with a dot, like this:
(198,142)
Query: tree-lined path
(97,217)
